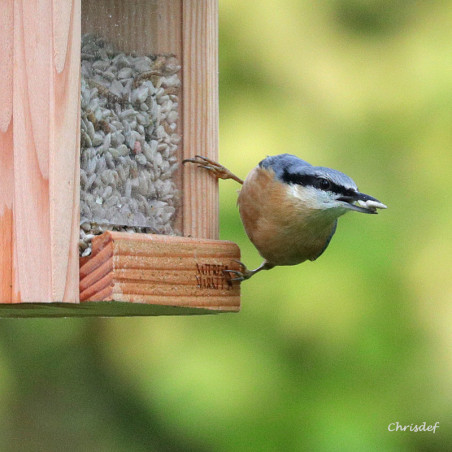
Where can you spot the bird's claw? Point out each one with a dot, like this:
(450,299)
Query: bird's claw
(217,170)
(240,275)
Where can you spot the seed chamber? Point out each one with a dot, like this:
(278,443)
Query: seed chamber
(130,137)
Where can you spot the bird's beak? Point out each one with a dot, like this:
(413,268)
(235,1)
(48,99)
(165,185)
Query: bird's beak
(364,203)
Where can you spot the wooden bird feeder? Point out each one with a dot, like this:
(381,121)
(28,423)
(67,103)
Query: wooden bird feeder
(100,101)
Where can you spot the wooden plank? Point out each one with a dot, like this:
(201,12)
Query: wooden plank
(169,40)
(46,156)
(99,290)
(104,268)
(200,115)
(165,270)
(214,303)
(141,26)
(65,151)
(168,27)
(6,151)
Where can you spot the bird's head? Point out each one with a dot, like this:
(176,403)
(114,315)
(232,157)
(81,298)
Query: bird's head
(320,188)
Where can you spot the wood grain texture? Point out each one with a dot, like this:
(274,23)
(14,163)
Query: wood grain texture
(164,270)
(46,56)
(200,115)
(141,26)
(6,150)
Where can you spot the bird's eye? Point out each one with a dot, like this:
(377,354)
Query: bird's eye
(324,184)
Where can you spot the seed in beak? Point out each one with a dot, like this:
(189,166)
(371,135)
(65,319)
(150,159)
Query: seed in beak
(371,204)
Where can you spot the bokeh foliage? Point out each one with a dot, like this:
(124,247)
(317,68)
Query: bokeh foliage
(323,355)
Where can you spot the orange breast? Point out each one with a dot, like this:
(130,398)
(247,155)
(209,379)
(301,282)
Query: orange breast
(284,230)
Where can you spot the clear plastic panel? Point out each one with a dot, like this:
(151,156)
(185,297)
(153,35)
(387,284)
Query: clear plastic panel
(130,109)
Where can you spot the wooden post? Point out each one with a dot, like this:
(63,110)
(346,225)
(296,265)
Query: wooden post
(200,117)
(6,151)
(39,143)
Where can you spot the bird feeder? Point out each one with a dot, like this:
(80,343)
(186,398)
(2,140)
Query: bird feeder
(100,101)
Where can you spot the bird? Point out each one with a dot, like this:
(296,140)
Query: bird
(290,208)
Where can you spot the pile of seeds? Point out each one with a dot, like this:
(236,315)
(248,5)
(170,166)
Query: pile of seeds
(129,141)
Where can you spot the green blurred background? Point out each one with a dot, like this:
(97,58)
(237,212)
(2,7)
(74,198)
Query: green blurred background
(325,355)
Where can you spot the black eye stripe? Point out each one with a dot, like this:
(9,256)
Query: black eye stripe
(314,181)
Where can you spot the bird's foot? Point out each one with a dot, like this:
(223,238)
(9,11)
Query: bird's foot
(217,170)
(242,274)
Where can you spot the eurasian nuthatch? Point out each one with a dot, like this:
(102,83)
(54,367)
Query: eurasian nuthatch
(290,208)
